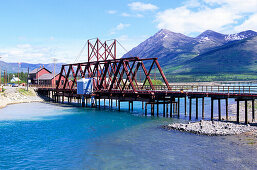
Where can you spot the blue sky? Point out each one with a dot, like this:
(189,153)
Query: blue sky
(39,30)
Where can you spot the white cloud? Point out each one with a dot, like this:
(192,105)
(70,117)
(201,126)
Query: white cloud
(124,14)
(200,15)
(111,12)
(139,6)
(37,54)
(248,24)
(119,27)
(132,15)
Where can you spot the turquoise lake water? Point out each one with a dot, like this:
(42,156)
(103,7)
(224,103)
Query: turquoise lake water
(52,136)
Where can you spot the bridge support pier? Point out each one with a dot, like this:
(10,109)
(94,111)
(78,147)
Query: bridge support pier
(246,114)
(171,99)
(178,107)
(163,108)
(196,108)
(190,108)
(167,109)
(203,108)
(83,101)
(185,105)
(219,109)
(211,108)
(152,109)
(237,115)
(253,111)
(227,109)
(145,109)
(157,109)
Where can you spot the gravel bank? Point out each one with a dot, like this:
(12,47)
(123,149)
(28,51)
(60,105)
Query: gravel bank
(211,128)
(15,95)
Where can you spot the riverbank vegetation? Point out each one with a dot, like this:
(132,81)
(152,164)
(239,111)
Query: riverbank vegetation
(25,92)
(210,77)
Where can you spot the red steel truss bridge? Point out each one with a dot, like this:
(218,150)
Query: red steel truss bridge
(134,79)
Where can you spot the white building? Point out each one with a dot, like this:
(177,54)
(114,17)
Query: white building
(15,79)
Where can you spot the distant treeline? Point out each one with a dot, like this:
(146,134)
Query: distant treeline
(22,76)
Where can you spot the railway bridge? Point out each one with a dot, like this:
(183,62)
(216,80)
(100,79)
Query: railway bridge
(135,79)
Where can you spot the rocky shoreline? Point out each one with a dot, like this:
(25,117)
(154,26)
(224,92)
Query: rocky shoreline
(211,128)
(15,95)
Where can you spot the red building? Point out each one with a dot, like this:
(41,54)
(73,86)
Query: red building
(42,76)
(48,79)
(36,73)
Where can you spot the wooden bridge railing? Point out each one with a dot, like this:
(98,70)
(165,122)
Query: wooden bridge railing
(197,88)
(185,88)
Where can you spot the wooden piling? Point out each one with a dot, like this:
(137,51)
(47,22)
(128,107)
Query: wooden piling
(157,111)
(227,109)
(111,103)
(190,108)
(211,108)
(203,108)
(171,107)
(119,105)
(129,105)
(253,111)
(132,105)
(196,108)
(152,109)
(142,105)
(237,115)
(246,115)
(167,109)
(145,108)
(178,107)
(185,106)
(163,108)
(219,108)
(104,103)
(83,101)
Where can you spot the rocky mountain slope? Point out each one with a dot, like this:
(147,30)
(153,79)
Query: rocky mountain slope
(175,50)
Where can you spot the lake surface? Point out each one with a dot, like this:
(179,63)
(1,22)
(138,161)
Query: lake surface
(52,136)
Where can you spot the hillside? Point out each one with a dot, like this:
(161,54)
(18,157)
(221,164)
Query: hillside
(237,57)
(13,67)
(208,53)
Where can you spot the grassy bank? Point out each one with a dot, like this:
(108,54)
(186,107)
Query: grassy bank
(25,92)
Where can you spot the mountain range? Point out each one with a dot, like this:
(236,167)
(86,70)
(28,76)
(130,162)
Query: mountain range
(23,67)
(208,53)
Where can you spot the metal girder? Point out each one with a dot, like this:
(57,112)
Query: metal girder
(108,74)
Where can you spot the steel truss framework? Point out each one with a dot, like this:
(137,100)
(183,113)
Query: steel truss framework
(109,74)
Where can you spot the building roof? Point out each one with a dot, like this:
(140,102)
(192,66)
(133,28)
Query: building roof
(36,70)
(47,77)
(15,79)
